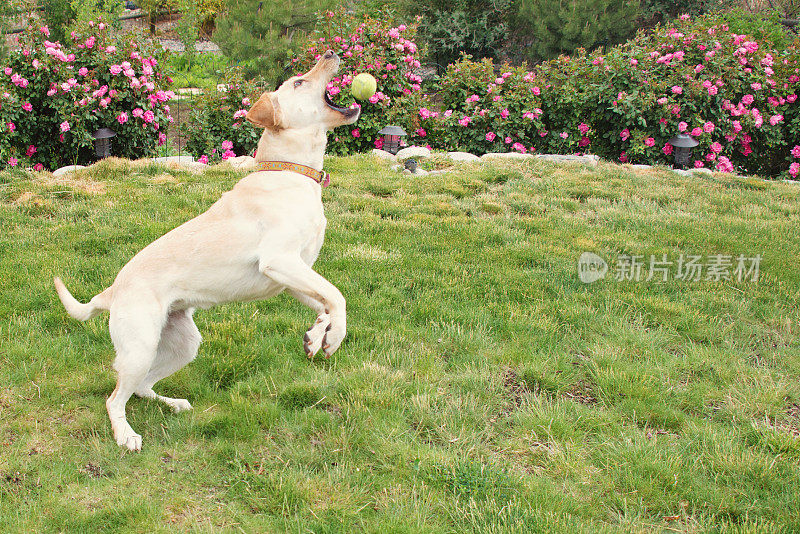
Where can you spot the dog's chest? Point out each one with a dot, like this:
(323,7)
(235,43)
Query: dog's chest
(310,252)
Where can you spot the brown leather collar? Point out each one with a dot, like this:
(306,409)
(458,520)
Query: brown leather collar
(321,177)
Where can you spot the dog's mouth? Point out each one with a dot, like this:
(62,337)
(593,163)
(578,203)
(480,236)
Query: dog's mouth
(347,112)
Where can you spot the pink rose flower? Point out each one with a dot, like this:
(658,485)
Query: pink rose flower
(667,149)
(356,133)
(796,152)
(625,134)
(682,126)
(491,135)
(677,89)
(203,159)
(715,147)
(31,151)
(650,142)
(794,169)
(64,126)
(12,161)
(27,106)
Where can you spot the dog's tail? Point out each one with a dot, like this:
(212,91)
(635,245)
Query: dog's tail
(82,312)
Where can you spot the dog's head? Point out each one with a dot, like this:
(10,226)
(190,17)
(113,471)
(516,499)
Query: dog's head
(303,101)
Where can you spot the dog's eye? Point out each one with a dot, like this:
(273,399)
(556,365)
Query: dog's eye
(298,83)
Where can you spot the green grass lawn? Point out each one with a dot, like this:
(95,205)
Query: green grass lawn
(482,387)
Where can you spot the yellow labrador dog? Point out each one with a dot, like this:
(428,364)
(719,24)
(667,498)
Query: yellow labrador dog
(257,240)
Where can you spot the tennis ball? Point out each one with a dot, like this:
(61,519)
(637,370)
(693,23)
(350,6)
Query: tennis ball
(364,86)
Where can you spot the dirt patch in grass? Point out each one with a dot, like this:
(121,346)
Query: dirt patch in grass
(165,178)
(92,471)
(515,388)
(582,392)
(792,424)
(28,198)
(75,181)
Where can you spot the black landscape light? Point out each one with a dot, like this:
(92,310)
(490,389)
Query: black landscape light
(391,138)
(102,142)
(682,145)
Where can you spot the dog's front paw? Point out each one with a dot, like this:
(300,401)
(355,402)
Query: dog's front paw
(333,339)
(126,437)
(315,337)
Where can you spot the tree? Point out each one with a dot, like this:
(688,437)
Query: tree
(258,34)
(545,29)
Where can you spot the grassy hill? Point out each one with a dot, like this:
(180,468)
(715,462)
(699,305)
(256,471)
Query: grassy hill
(482,386)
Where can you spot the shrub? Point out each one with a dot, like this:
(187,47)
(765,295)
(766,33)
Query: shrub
(475,27)
(258,35)
(55,96)
(204,70)
(737,97)
(217,129)
(373,46)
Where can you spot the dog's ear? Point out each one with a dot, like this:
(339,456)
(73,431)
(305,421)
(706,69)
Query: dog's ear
(265,113)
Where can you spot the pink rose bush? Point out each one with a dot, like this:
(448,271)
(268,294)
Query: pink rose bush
(58,94)
(217,129)
(377,47)
(741,106)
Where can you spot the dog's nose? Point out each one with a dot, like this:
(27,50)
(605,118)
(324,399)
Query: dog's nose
(329,54)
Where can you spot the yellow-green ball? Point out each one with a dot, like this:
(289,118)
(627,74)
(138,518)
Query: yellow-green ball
(364,86)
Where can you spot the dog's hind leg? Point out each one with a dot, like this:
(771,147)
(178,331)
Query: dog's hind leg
(135,330)
(312,340)
(178,346)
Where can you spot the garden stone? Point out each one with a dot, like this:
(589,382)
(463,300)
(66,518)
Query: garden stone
(414,152)
(682,172)
(440,171)
(68,170)
(590,159)
(462,156)
(703,170)
(505,155)
(177,160)
(420,172)
(242,162)
(382,154)
(397,168)
(641,167)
